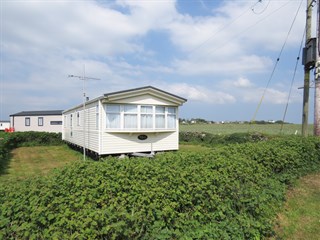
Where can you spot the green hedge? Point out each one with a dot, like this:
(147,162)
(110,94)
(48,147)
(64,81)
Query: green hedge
(232,192)
(215,139)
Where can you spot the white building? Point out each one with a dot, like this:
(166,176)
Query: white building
(136,120)
(4,125)
(40,121)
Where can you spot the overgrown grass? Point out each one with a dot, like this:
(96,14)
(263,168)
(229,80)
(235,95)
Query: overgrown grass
(27,162)
(27,154)
(300,218)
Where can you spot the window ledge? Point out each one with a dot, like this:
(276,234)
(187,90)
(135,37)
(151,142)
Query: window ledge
(139,130)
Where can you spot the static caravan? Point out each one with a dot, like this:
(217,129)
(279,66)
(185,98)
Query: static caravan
(4,125)
(40,121)
(138,120)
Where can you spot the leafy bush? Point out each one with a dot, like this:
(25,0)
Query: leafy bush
(286,157)
(233,192)
(214,139)
(19,139)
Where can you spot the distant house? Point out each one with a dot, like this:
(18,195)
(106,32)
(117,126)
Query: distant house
(40,121)
(4,125)
(135,120)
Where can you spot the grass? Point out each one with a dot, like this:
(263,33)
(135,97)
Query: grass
(300,218)
(36,161)
(273,129)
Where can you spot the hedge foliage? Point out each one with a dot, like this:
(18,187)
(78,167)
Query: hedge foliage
(231,192)
(210,139)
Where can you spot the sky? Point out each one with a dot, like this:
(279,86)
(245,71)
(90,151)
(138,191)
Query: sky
(219,55)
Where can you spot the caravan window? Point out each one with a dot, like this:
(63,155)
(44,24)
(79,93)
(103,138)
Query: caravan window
(130,116)
(146,117)
(139,117)
(113,115)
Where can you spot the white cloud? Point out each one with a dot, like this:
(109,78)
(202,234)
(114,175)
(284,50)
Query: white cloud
(266,96)
(236,65)
(241,82)
(199,93)
(44,41)
(235,39)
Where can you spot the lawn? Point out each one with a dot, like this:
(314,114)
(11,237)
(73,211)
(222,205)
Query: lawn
(300,219)
(229,128)
(35,161)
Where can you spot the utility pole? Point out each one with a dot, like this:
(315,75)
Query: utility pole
(316,128)
(84,79)
(305,109)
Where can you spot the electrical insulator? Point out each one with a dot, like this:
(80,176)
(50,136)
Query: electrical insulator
(317,70)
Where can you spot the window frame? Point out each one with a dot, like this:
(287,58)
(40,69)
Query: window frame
(147,114)
(169,115)
(133,114)
(27,121)
(97,117)
(162,114)
(113,113)
(71,120)
(78,119)
(55,122)
(40,121)
(140,111)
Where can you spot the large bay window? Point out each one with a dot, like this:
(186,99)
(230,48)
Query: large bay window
(140,117)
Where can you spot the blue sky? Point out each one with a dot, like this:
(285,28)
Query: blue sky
(217,54)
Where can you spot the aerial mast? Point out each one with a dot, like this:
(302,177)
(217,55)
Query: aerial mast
(84,78)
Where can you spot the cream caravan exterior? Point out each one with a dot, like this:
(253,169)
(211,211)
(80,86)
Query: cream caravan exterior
(40,121)
(136,120)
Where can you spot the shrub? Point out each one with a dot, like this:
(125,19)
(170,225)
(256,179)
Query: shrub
(232,192)
(214,139)
(19,139)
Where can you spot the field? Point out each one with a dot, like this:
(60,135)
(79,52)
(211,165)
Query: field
(273,129)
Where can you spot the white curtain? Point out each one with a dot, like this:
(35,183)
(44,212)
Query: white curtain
(113,120)
(147,109)
(130,121)
(160,121)
(171,121)
(160,109)
(146,121)
(130,108)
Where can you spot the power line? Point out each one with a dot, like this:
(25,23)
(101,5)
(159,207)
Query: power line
(221,29)
(292,81)
(244,31)
(258,13)
(276,64)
